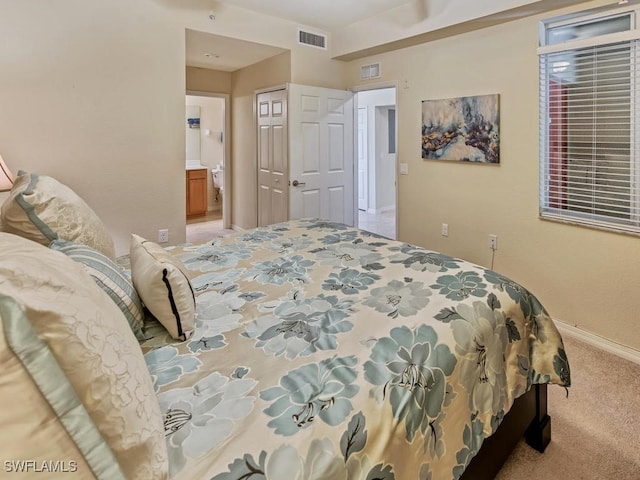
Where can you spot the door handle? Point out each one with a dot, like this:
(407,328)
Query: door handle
(296,183)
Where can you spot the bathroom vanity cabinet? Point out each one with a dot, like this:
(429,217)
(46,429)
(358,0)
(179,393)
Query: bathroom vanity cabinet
(196,192)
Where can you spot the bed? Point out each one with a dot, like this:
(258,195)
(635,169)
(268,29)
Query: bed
(331,352)
(314,350)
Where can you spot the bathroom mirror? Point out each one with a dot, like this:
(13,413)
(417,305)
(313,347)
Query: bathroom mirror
(192,138)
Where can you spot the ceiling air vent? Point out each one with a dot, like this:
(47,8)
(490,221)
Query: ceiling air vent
(367,72)
(312,39)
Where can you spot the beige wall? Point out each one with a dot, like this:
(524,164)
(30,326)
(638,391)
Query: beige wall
(584,277)
(92,93)
(268,73)
(205,80)
(313,66)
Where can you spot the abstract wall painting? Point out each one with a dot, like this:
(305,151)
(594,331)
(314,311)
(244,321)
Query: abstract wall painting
(464,129)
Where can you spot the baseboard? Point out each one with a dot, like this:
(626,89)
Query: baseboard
(597,341)
(236,228)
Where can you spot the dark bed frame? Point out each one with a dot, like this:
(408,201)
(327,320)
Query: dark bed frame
(527,418)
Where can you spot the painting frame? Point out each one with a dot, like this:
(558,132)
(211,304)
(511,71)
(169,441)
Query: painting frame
(462,129)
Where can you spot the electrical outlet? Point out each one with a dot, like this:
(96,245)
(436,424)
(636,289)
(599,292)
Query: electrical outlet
(493,242)
(163,235)
(445,229)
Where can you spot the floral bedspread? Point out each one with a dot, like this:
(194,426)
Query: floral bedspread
(326,352)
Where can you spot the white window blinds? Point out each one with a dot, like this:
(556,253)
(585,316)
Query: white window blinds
(590,167)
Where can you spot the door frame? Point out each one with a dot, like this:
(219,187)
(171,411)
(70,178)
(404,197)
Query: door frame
(364,88)
(226,173)
(358,123)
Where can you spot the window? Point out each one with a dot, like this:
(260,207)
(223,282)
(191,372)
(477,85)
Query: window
(589,100)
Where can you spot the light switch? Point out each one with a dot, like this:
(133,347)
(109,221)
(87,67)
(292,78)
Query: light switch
(404,169)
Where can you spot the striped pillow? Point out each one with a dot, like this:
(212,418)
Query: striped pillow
(111,278)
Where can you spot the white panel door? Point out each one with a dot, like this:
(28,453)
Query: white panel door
(273,189)
(363,170)
(321,153)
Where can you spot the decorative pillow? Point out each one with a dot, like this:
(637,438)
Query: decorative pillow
(41,408)
(91,342)
(111,278)
(42,209)
(163,284)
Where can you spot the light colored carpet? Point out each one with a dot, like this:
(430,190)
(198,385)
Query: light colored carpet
(595,432)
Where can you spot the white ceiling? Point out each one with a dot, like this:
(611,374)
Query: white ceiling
(229,54)
(337,16)
(328,15)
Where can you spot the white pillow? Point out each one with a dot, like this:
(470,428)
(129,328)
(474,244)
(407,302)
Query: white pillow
(42,209)
(66,331)
(163,284)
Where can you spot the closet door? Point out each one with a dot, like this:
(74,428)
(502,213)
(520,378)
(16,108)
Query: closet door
(273,180)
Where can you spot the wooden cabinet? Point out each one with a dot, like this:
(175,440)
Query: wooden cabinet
(196,192)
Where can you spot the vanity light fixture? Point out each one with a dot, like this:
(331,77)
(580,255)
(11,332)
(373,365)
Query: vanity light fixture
(6,177)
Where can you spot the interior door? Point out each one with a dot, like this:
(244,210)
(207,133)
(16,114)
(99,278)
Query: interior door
(321,153)
(363,174)
(273,189)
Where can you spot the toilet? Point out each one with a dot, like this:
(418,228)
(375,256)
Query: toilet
(218,180)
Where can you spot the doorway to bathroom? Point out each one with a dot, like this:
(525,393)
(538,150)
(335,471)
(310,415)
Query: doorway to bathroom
(206,149)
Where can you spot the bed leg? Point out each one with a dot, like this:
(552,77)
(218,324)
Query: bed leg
(538,435)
